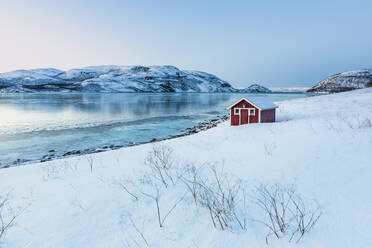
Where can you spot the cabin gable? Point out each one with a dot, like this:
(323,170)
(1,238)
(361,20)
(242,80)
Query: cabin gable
(245,112)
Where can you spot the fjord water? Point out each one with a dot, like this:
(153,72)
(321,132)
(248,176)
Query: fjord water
(33,124)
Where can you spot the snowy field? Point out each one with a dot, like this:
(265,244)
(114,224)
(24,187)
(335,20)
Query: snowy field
(320,144)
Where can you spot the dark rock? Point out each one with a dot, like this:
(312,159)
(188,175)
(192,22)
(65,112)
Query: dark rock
(67,154)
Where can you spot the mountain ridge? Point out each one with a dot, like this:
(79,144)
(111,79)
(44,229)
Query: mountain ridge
(114,78)
(345,81)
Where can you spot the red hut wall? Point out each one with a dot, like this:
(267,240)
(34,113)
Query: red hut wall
(235,119)
(254,118)
(268,115)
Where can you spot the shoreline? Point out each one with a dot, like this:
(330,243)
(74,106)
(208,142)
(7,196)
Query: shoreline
(199,127)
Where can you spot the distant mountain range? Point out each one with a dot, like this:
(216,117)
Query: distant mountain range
(345,81)
(117,79)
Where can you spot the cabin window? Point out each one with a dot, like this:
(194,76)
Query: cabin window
(237,111)
(252,111)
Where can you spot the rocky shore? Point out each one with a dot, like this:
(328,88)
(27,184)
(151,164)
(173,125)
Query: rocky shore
(51,155)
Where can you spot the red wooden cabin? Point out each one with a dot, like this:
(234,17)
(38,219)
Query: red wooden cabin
(247,111)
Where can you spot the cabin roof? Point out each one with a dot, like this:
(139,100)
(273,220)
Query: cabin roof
(261,103)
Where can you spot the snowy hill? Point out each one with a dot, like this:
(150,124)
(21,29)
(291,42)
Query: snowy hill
(320,144)
(255,88)
(345,81)
(115,79)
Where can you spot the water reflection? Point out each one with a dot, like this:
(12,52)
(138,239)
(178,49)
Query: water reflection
(113,103)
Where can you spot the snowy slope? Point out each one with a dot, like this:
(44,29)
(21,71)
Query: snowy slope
(114,79)
(345,81)
(322,144)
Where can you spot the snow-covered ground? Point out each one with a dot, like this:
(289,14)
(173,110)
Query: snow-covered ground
(322,144)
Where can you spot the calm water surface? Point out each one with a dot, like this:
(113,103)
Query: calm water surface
(33,124)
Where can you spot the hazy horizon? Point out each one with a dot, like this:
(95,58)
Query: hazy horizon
(276,44)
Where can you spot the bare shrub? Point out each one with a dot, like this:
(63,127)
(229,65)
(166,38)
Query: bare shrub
(140,231)
(274,201)
(126,184)
(358,123)
(306,215)
(155,191)
(193,181)
(90,162)
(227,199)
(286,213)
(332,126)
(161,163)
(8,215)
(222,195)
(155,183)
(76,201)
(241,212)
(53,170)
(219,198)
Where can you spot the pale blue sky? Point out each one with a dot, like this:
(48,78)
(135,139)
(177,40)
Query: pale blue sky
(274,43)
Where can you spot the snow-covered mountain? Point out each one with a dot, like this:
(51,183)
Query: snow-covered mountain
(345,81)
(255,88)
(116,79)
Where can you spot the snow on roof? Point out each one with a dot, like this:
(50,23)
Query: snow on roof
(261,103)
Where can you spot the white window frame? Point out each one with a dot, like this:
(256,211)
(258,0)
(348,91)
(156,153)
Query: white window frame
(254,111)
(236,111)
